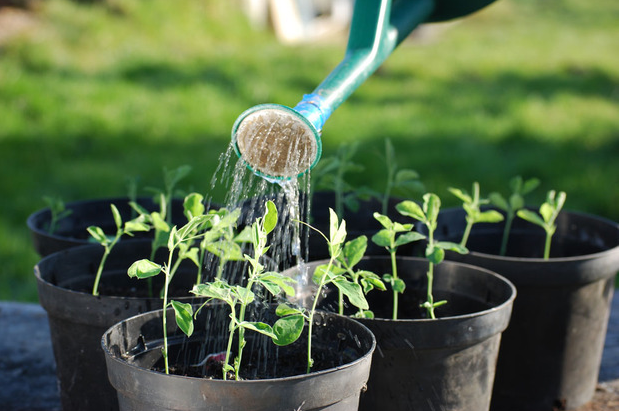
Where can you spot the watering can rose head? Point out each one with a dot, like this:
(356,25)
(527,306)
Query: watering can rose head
(276,142)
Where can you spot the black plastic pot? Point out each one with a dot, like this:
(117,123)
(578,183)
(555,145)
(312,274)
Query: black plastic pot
(133,348)
(551,353)
(77,319)
(71,230)
(443,364)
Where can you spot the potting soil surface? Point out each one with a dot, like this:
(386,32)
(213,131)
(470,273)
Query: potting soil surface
(28,379)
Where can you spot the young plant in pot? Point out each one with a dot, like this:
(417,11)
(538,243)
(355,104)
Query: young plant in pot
(60,226)
(356,203)
(563,264)
(254,355)
(421,362)
(85,290)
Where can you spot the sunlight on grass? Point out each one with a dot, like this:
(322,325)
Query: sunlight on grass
(96,93)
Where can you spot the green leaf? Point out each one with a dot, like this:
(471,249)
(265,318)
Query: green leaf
(383,220)
(489,216)
(406,175)
(159,222)
(144,269)
(354,250)
(398,285)
(282,281)
(183,313)
(191,254)
(498,201)
(516,201)
(370,280)
(270,217)
(193,205)
(546,210)
(411,209)
(260,327)
(337,233)
(218,290)
(530,185)
(408,238)
(117,218)
(137,224)
(353,292)
(382,238)
(98,234)
(138,208)
(462,195)
(288,329)
(531,217)
(448,245)
(435,254)
(432,204)
(283,310)
(245,296)
(230,250)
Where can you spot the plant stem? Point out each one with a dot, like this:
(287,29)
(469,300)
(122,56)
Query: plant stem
(430,297)
(95,287)
(311,316)
(509,218)
(394,274)
(164,351)
(467,232)
(231,329)
(547,245)
(341,302)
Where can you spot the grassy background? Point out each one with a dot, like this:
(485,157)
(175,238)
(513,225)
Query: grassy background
(91,95)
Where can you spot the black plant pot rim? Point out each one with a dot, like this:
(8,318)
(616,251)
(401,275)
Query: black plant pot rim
(445,319)
(299,377)
(541,260)
(35,216)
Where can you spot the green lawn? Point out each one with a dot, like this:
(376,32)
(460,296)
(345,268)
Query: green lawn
(95,94)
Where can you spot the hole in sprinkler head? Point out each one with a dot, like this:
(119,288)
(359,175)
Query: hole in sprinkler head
(276,143)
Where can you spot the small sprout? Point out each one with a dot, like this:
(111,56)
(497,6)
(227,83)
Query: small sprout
(351,255)
(549,211)
(108,243)
(392,236)
(472,204)
(237,297)
(519,188)
(58,211)
(332,274)
(435,250)
(179,239)
(330,174)
(406,180)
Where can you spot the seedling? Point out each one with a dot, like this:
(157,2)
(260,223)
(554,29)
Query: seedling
(350,256)
(331,172)
(108,243)
(392,236)
(286,330)
(549,212)
(435,250)
(181,240)
(471,204)
(519,189)
(58,211)
(325,275)
(397,179)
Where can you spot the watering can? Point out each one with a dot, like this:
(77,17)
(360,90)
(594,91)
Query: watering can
(278,142)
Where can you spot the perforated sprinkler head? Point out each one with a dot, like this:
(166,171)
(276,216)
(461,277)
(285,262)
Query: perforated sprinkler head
(278,142)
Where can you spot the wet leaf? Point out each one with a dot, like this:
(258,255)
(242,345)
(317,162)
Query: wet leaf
(288,329)
(183,313)
(144,269)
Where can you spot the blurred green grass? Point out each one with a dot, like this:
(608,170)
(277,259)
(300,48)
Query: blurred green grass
(93,94)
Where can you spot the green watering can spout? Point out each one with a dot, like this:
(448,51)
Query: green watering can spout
(279,142)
